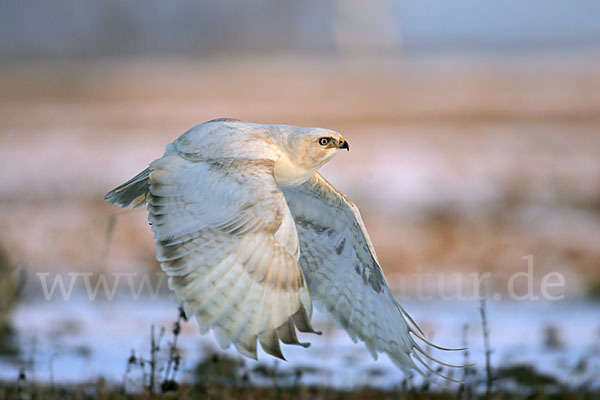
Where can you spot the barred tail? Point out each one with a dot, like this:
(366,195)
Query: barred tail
(132,193)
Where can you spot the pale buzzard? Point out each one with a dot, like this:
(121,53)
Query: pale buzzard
(250,235)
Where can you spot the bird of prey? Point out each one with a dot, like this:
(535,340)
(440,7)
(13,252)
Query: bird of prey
(250,235)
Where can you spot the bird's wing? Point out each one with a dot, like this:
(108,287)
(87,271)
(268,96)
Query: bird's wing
(227,241)
(343,274)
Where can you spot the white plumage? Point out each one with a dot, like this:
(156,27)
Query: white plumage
(250,235)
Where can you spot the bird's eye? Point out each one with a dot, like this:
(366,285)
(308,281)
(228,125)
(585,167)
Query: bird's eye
(324,141)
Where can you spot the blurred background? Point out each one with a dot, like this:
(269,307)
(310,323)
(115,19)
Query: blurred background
(474,127)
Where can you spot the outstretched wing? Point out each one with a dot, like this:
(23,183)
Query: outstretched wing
(227,241)
(343,274)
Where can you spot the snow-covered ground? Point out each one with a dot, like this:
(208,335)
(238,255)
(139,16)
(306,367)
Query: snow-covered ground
(79,340)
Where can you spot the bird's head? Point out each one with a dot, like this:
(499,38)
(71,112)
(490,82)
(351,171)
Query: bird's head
(314,146)
(307,149)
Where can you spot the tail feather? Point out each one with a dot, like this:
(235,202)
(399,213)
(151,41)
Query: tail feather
(132,193)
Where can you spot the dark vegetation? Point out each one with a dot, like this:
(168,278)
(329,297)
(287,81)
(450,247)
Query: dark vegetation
(11,284)
(220,377)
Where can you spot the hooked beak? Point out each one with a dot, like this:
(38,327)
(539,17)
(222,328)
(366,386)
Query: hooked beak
(342,144)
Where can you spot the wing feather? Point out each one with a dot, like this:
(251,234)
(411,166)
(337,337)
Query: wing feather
(228,243)
(343,273)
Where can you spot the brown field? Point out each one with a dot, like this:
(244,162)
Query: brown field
(462,164)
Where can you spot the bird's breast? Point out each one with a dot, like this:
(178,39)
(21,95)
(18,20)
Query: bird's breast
(288,174)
